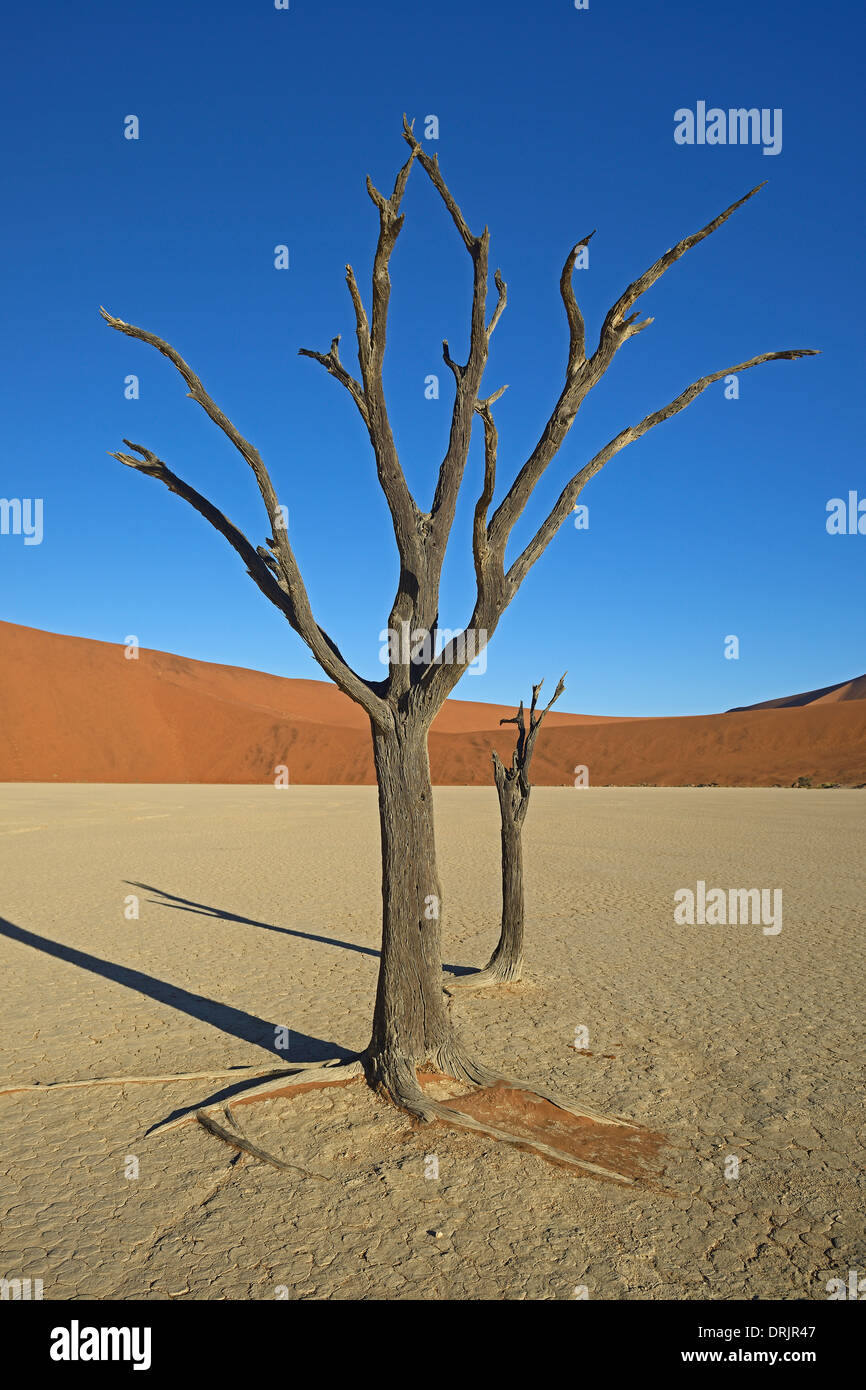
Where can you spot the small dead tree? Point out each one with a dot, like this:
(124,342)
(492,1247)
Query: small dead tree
(411,1020)
(505,966)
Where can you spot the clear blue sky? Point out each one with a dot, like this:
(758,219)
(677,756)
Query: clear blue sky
(257,127)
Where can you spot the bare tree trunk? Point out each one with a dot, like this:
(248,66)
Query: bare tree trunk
(514,788)
(506,963)
(411,1023)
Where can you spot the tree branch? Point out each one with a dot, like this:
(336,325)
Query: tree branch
(362,325)
(372,336)
(198,393)
(576,329)
(616,320)
(480,546)
(285,588)
(572,490)
(331,362)
(430,165)
(583,374)
(517,755)
(502,288)
(535,720)
(467,378)
(525,745)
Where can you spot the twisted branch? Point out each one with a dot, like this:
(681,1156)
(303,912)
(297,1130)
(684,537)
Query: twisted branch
(284,588)
(576,328)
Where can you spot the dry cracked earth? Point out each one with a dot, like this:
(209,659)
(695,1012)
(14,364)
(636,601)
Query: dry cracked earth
(257,911)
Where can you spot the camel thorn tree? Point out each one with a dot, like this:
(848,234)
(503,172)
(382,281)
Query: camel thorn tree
(412,1026)
(505,966)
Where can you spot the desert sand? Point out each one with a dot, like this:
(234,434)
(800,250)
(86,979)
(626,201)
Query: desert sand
(75,710)
(259,908)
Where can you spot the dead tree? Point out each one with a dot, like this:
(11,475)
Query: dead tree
(505,966)
(411,1022)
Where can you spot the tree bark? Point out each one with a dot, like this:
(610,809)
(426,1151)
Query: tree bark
(506,963)
(411,1023)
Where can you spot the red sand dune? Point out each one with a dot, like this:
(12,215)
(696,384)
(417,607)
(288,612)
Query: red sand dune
(829,695)
(74,710)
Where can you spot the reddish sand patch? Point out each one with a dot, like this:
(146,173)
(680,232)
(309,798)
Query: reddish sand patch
(290,1091)
(630,1152)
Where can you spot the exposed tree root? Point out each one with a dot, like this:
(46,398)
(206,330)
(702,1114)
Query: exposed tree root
(241,1070)
(304,1074)
(238,1140)
(404,1088)
(457,1119)
(464,1069)
(398,1079)
(335,1071)
(394,1077)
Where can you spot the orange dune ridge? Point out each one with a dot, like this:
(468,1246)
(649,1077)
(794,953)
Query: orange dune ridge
(74,710)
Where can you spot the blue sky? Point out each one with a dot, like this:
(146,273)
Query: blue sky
(257,127)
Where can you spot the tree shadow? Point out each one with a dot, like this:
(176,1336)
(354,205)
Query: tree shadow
(226,1092)
(172,900)
(235,1022)
(166,899)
